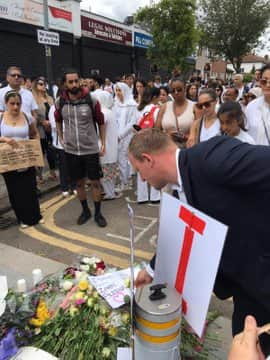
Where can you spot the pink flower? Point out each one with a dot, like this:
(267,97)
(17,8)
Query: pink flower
(79,302)
(66,302)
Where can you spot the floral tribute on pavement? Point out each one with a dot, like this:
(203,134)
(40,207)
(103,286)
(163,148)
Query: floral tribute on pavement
(65,316)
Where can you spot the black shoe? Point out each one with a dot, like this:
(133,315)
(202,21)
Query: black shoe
(100,220)
(85,215)
(155,202)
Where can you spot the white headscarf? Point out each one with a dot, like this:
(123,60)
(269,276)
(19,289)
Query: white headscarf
(127,95)
(105,99)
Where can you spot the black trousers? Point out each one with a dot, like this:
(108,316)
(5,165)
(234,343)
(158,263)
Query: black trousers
(65,181)
(21,187)
(49,151)
(243,306)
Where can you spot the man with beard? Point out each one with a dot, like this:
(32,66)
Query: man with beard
(79,112)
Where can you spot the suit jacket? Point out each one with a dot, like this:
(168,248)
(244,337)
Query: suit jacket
(230,181)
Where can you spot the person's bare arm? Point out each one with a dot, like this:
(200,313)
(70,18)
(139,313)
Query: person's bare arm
(161,112)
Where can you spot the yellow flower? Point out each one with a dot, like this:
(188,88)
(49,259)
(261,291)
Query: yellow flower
(73,310)
(79,295)
(125,317)
(36,322)
(42,314)
(112,331)
(83,285)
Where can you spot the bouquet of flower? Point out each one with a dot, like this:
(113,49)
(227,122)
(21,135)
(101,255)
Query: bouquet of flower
(84,327)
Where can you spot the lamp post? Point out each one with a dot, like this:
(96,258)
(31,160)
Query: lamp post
(48,52)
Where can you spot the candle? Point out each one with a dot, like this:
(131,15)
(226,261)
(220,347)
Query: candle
(37,276)
(21,285)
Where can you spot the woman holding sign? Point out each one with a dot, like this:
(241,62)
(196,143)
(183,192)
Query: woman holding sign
(21,183)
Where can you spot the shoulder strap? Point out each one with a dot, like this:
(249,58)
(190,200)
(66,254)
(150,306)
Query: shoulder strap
(26,118)
(89,102)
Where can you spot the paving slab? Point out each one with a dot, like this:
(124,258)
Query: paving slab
(18,264)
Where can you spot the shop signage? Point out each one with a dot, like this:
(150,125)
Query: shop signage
(105,31)
(31,12)
(142,40)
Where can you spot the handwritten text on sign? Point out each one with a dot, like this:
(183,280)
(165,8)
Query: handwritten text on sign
(190,245)
(112,286)
(27,154)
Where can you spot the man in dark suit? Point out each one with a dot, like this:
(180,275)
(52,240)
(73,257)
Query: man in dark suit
(229,181)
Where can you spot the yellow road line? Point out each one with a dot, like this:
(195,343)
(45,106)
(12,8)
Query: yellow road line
(109,259)
(51,226)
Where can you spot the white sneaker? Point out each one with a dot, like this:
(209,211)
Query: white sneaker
(65,194)
(23,226)
(119,188)
(41,221)
(118,195)
(75,192)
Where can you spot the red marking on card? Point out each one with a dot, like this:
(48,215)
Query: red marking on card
(184,307)
(193,223)
(192,220)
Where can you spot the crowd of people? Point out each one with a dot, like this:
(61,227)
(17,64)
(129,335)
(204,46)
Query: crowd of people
(190,112)
(92,133)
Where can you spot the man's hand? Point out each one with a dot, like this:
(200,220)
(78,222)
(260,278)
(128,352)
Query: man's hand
(143,278)
(245,346)
(102,150)
(61,140)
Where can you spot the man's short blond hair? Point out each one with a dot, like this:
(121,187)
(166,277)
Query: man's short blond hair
(149,141)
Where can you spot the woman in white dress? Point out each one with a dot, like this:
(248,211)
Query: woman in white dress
(109,160)
(232,122)
(125,110)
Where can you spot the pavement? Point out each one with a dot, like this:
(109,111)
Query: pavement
(17,259)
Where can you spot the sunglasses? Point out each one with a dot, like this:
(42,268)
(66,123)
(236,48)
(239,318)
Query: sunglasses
(41,83)
(206,104)
(265,82)
(16,75)
(176,91)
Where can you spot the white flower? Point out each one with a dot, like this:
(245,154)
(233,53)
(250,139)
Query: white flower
(67,285)
(94,260)
(84,267)
(86,260)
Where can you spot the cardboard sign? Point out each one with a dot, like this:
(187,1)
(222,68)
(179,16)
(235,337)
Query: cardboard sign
(27,154)
(190,245)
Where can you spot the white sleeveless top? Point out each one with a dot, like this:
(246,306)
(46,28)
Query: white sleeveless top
(185,120)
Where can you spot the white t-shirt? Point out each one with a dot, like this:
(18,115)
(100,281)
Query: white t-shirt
(55,137)
(28,102)
(212,131)
(245,137)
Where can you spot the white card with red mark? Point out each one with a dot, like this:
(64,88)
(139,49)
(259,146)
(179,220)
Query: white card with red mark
(190,245)
(113,286)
